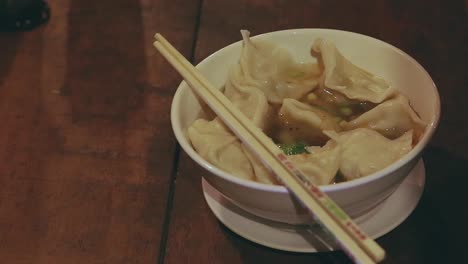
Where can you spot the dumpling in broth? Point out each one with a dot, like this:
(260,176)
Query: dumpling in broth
(364,151)
(303,122)
(391,118)
(273,70)
(249,99)
(262,173)
(343,76)
(217,145)
(321,164)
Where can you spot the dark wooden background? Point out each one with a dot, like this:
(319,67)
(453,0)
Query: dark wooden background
(90,171)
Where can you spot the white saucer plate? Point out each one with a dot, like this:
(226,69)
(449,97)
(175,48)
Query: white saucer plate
(311,238)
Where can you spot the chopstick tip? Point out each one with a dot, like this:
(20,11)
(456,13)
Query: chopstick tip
(379,254)
(157,36)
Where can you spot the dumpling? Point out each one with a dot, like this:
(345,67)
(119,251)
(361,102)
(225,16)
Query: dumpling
(273,70)
(343,76)
(305,121)
(217,145)
(262,173)
(321,164)
(391,118)
(249,99)
(364,151)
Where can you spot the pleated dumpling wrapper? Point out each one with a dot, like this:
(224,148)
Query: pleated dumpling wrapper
(365,151)
(321,164)
(391,118)
(273,70)
(217,145)
(306,121)
(343,76)
(249,99)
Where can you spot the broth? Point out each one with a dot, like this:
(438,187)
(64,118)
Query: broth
(325,103)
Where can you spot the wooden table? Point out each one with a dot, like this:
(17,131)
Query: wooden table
(90,171)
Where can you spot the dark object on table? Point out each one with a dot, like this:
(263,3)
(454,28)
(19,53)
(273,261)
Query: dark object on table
(22,15)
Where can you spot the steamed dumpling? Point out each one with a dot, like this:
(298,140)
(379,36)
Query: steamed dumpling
(249,99)
(365,151)
(273,70)
(321,164)
(305,121)
(217,145)
(343,76)
(391,118)
(262,173)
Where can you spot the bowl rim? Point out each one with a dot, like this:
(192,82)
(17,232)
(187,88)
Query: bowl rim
(415,151)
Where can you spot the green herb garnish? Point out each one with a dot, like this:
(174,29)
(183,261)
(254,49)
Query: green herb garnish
(294,148)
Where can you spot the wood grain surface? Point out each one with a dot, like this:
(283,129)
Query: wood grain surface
(86,148)
(90,171)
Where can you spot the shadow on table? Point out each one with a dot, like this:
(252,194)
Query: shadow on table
(436,231)
(254,253)
(8,49)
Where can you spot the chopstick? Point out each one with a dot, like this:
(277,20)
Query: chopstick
(352,240)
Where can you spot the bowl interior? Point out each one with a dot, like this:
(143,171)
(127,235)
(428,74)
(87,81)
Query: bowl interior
(377,57)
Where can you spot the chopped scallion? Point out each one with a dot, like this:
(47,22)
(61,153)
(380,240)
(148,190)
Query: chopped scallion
(294,148)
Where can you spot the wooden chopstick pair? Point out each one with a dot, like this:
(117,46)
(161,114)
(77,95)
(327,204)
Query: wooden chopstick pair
(352,240)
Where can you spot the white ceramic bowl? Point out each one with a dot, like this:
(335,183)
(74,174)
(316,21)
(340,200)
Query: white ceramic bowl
(356,197)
